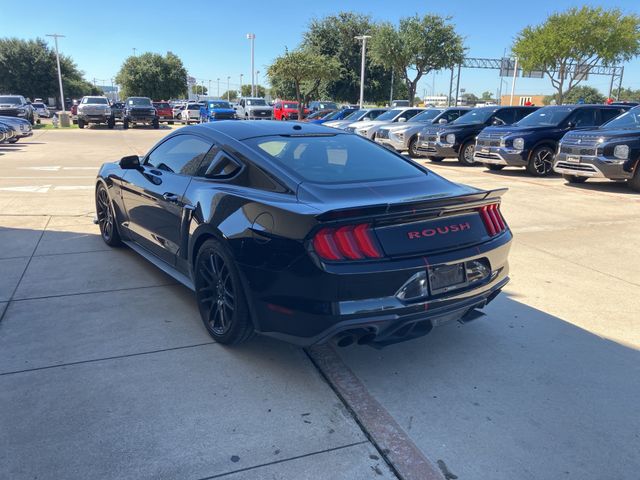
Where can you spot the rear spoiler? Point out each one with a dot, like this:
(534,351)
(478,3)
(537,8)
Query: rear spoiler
(439,205)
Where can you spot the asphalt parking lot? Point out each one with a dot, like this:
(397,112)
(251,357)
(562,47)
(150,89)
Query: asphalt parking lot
(107,372)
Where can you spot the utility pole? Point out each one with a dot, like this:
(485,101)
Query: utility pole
(252,38)
(364,50)
(55,37)
(134,51)
(209,91)
(241,75)
(218,88)
(228,78)
(513,82)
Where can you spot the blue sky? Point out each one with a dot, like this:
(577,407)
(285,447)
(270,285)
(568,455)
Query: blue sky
(210,36)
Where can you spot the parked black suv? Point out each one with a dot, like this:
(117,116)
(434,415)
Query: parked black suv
(611,151)
(458,138)
(533,141)
(17,106)
(140,110)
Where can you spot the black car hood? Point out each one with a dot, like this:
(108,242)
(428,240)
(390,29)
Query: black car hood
(327,197)
(615,132)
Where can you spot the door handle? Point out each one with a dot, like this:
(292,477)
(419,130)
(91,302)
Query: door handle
(170,197)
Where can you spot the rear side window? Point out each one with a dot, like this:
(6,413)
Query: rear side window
(334,158)
(607,114)
(181,154)
(523,112)
(584,117)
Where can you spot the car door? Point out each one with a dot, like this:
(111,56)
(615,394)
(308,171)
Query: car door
(153,196)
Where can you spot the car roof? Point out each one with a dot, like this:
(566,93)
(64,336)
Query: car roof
(261,128)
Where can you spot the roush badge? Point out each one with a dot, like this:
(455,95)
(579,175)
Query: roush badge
(431,232)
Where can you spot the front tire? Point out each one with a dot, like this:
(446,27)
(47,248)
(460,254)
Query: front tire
(107,220)
(634,182)
(465,157)
(435,159)
(220,296)
(80,123)
(125,124)
(541,161)
(413,151)
(494,168)
(156,124)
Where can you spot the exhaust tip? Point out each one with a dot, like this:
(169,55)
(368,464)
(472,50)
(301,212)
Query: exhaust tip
(345,341)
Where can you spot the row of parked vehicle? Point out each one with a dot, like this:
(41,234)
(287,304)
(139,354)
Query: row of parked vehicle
(578,141)
(14,128)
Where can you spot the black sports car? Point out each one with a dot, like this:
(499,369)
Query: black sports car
(306,233)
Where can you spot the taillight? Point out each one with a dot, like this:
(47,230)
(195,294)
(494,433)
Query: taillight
(492,218)
(351,242)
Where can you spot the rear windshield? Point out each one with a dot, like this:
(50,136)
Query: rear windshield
(95,100)
(334,158)
(547,116)
(39,105)
(161,105)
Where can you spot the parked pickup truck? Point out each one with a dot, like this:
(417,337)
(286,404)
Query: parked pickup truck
(95,110)
(213,110)
(611,151)
(140,111)
(252,108)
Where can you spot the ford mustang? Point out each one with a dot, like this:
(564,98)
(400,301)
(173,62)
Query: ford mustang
(306,233)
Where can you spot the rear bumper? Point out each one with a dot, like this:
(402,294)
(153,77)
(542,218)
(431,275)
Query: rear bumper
(306,309)
(592,167)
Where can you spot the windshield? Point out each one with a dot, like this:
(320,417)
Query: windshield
(161,105)
(10,100)
(256,101)
(390,115)
(334,158)
(328,105)
(475,116)
(95,100)
(140,102)
(426,116)
(547,116)
(628,120)
(219,105)
(290,105)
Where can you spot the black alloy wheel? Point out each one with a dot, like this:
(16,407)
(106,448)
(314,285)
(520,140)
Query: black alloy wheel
(465,157)
(541,161)
(221,300)
(106,218)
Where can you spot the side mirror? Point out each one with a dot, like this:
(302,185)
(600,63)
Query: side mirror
(402,119)
(497,121)
(571,125)
(130,162)
(442,121)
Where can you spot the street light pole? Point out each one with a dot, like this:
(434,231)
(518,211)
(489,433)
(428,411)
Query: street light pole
(257,82)
(209,91)
(218,88)
(55,37)
(252,38)
(134,51)
(228,78)
(364,50)
(241,75)
(513,82)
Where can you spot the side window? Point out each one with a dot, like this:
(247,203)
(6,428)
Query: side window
(505,117)
(607,114)
(451,116)
(407,114)
(222,166)
(584,117)
(522,112)
(181,154)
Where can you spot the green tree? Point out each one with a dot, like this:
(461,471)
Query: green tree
(567,44)
(152,75)
(233,94)
(28,67)
(245,90)
(306,70)
(486,96)
(333,36)
(582,92)
(418,46)
(198,89)
(629,95)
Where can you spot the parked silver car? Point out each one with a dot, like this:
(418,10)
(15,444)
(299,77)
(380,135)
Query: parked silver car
(403,136)
(362,115)
(369,129)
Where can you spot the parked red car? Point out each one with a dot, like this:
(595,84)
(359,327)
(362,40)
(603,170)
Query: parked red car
(165,112)
(286,110)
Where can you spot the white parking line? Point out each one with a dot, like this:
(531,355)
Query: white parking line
(46,188)
(49,177)
(56,168)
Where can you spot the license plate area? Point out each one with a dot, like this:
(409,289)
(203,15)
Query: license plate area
(484,150)
(573,158)
(443,278)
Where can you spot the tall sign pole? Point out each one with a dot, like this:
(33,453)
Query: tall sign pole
(364,51)
(55,37)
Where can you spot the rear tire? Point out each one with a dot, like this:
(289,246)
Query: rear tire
(111,123)
(574,178)
(541,161)
(220,295)
(107,219)
(634,182)
(125,124)
(495,168)
(465,157)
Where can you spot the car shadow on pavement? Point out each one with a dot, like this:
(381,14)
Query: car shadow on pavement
(517,394)
(604,186)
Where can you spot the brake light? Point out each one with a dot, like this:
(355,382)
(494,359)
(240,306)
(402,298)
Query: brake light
(351,242)
(493,220)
